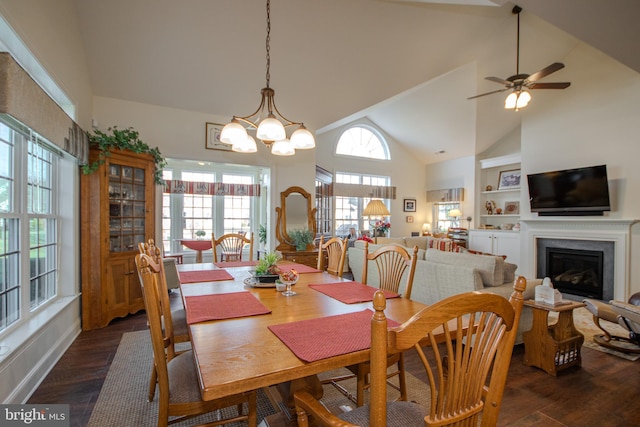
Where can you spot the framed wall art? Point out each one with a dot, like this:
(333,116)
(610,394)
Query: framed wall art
(212,141)
(409,218)
(511,208)
(509,180)
(409,205)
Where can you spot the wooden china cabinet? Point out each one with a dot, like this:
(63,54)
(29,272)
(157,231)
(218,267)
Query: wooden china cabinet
(117,212)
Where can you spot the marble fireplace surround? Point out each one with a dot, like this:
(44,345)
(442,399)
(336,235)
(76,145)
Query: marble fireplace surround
(618,231)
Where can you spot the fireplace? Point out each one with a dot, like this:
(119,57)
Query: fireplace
(576,272)
(579,268)
(614,237)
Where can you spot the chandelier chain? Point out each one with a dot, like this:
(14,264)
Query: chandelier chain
(268,41)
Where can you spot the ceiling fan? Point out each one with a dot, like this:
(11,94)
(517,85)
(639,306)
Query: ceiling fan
(522,83)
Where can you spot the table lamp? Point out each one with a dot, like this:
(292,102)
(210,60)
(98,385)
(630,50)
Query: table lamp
(375,209)
(426,229)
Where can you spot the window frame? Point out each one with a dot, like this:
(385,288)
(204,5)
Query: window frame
(361,202)
(175,170)
(375,132)
(58,216)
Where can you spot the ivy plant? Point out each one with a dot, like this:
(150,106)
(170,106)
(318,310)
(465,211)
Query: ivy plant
(122,139)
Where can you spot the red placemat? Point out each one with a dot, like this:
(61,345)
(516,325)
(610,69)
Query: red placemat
(230,264)
(222,306)
(204,276)
(350,292)
(300,268)
(324,337)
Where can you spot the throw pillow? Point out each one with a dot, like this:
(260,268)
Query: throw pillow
(509,272)
(441,244)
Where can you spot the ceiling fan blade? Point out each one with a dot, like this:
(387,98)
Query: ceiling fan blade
(488,93)
(545,71)
(559,85)
(501,81)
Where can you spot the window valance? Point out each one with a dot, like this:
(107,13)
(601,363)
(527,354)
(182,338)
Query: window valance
(22,99)
(359,190)
(211,188)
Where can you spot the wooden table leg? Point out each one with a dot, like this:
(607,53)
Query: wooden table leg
(311,384)
(198,256)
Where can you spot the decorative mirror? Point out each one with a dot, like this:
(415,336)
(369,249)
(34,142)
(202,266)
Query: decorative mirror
(295,213)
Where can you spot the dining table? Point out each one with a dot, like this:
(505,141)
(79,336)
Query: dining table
(240,354)
(197,245)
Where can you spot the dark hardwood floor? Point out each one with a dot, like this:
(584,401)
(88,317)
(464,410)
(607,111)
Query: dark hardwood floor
(601,392)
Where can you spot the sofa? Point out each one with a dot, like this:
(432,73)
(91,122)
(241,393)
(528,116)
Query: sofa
(442,273)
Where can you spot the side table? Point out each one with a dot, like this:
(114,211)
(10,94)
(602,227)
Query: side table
(309,258)
(552,347)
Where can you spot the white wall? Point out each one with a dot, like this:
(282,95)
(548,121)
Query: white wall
(50,30)
(594,121)
(407,175)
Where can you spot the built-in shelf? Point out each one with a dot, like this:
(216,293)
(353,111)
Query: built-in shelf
(511,190)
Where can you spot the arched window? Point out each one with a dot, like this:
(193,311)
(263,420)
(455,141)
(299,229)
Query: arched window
(362,142)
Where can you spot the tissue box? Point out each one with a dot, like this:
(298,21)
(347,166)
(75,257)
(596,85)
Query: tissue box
(548,295)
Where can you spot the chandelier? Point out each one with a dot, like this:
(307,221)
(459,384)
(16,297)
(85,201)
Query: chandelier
(269,124)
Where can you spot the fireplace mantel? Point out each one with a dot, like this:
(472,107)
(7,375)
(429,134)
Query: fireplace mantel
(617,231)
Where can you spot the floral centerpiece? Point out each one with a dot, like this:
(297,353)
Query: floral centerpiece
(366,239)
(381,227)
(200,234)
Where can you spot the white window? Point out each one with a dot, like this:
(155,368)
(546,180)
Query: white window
(28,224)
(237,209)
(348,210)
(360,141)
(184,214)
(441,215)
(197,209)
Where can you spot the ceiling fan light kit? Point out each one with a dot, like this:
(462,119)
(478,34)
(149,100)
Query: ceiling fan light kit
(521,83)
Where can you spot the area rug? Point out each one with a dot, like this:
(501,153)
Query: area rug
(123,397)
(583,320)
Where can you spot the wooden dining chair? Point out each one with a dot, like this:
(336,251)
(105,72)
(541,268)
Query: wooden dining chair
(178,387)
(466,367)
(336,250)
(391,261)
(231,246)
(174,318)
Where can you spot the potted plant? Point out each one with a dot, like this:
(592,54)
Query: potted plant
(262,235)
(266,270)
(122,139)
(200,234)
(301,238)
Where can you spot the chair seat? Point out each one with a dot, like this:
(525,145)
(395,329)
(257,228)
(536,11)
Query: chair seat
(183,379)
(401,414)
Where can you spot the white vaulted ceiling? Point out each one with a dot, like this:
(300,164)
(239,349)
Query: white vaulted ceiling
(408,66)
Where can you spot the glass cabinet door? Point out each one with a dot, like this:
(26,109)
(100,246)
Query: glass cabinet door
(126,207)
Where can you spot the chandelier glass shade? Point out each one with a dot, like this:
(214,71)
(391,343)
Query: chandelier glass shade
(269,124)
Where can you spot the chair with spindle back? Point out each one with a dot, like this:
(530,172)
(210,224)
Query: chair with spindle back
(178,387)
(231,246)
(336,250)
(466,367)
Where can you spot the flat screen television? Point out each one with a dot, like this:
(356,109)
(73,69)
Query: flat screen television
(581,191)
